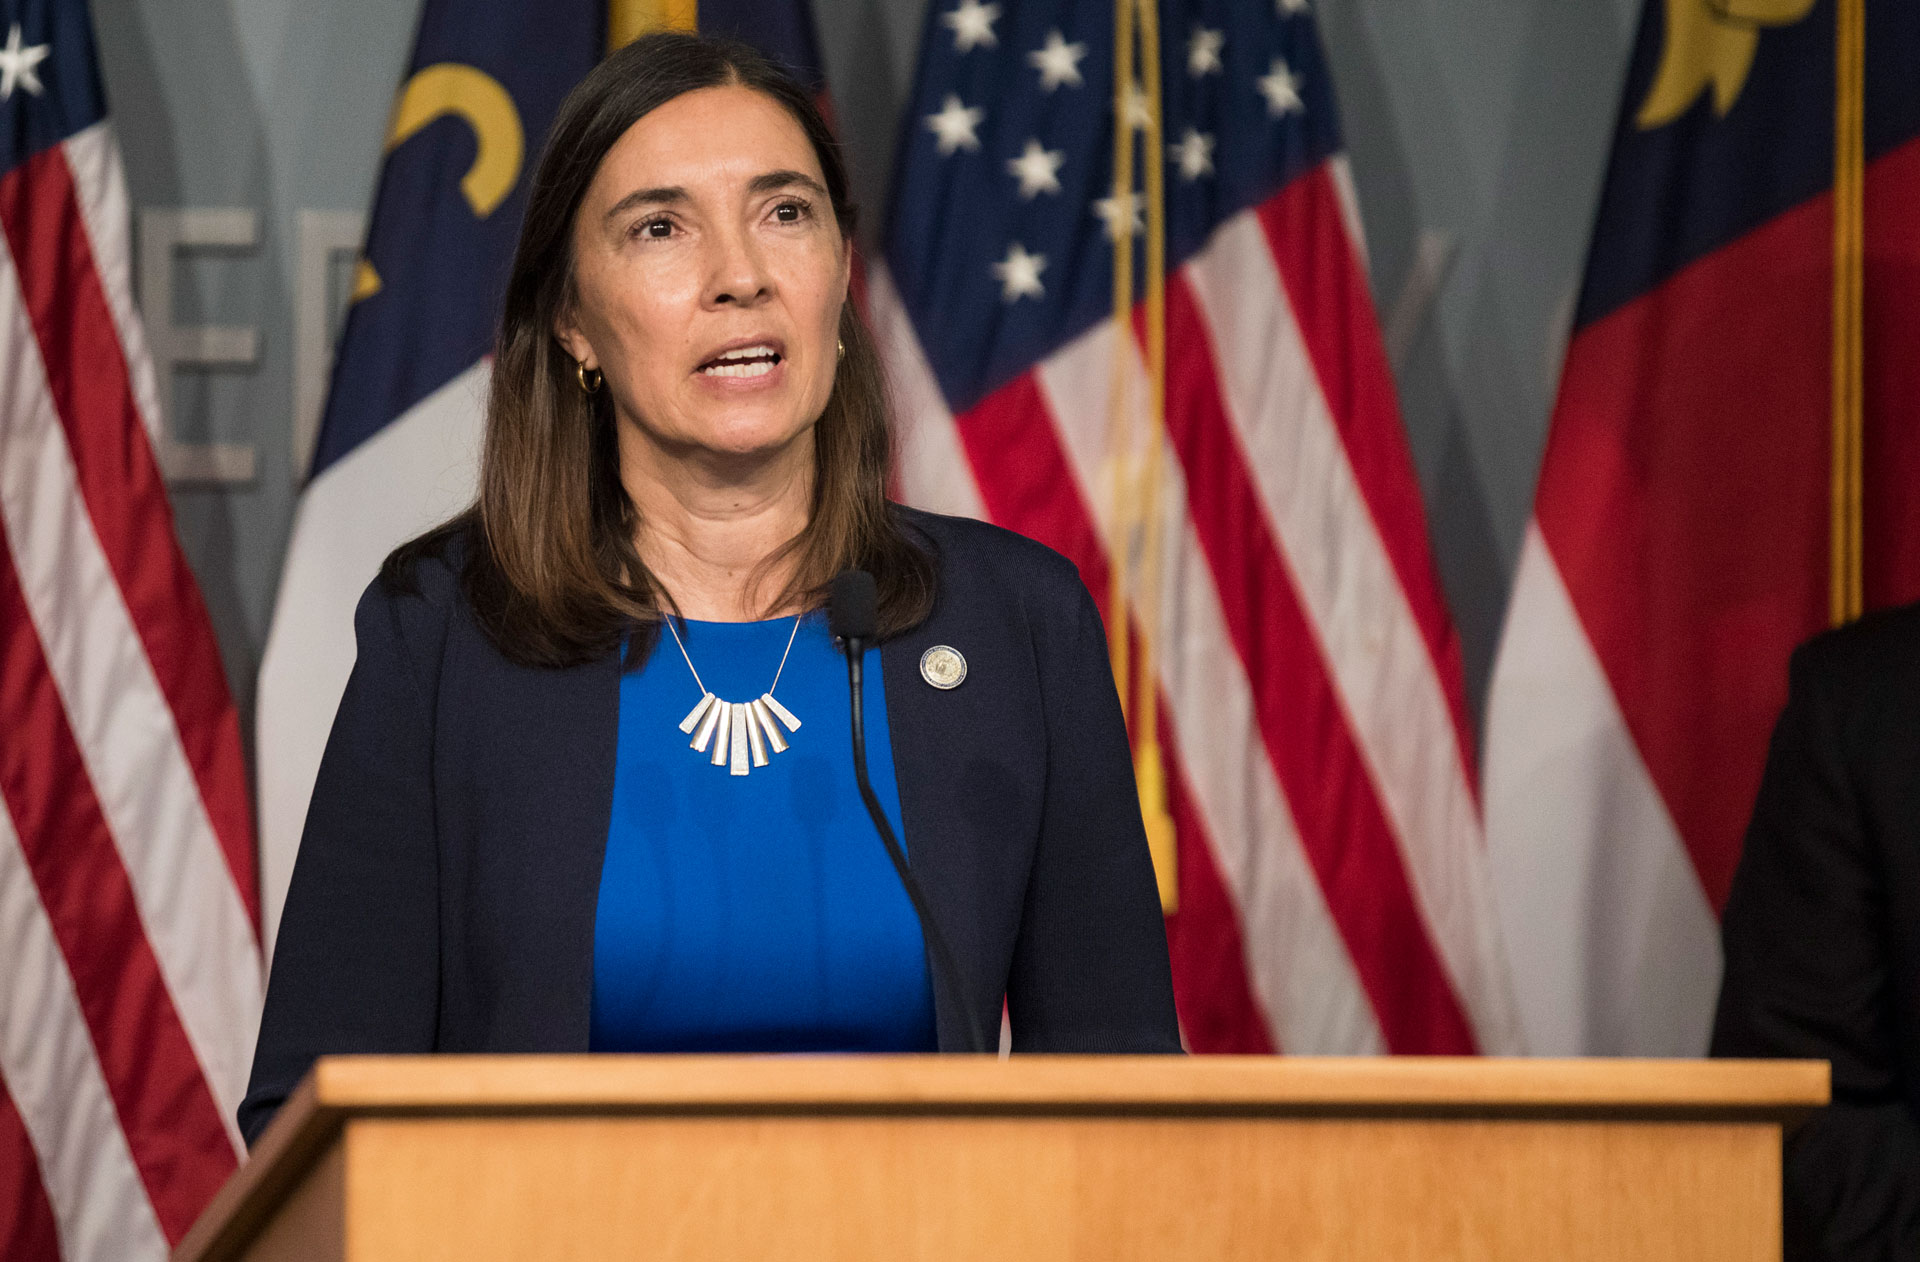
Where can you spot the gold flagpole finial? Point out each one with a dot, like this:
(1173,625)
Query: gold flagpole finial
(628,20)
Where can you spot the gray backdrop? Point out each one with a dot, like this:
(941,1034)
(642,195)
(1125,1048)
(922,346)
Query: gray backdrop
(1478,131)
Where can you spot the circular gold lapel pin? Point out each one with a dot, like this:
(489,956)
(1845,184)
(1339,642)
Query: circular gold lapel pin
(943,667)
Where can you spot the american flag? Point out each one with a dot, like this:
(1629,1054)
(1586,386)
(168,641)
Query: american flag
(1333,893)
(130,975)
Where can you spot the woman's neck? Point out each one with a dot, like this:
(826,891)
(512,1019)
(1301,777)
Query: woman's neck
(708,523)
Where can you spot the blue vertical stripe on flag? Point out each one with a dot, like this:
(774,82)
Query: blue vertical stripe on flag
(442,265)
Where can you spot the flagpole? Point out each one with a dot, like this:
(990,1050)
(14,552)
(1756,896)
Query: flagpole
(1149,769)
(1134,483)
(1119,428)
(1847,593)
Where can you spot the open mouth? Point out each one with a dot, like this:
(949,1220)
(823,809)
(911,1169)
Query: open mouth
(743,361)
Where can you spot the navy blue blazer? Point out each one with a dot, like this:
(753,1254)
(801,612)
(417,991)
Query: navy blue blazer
(444,895)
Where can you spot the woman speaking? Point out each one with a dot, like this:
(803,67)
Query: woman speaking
(590,786)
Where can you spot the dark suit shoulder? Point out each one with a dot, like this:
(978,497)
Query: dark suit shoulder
(973,551)
(1858,686)
(1879,652)
(409,607)
(429,565)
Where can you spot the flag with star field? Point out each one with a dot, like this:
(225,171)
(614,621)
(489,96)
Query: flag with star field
(130,966)
(1333,892)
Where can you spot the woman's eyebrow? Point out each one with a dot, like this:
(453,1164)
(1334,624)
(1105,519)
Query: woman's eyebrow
(646,196)
(767,183)
(773,180)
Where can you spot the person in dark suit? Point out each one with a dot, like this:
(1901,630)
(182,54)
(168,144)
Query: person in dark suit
(590,783)
(1822,935)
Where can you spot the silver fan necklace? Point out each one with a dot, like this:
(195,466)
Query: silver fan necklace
(740,733)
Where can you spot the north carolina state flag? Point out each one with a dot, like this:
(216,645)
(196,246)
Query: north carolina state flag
(1680,540)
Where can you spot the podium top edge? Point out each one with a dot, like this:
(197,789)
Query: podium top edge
(344,1091)
(1769,1089)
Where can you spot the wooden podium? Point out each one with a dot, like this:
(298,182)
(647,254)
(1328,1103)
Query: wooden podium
(1035,1158)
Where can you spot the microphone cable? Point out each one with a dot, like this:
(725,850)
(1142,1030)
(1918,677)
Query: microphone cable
(852,615)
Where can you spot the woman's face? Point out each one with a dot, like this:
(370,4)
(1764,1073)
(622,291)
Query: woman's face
(709,274)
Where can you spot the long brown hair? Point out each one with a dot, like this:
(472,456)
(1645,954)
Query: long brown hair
(551,570)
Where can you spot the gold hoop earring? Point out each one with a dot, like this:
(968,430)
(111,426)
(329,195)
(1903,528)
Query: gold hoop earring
(843,348)
(580,371)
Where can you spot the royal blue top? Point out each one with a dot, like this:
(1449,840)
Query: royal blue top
(754,913)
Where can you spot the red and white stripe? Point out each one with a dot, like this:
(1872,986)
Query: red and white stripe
(1677,552)
(1619,948)
(1335,895)
(69,1142)
(127,893)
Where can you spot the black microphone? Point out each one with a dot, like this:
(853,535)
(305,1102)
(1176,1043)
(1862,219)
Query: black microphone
(853,613)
